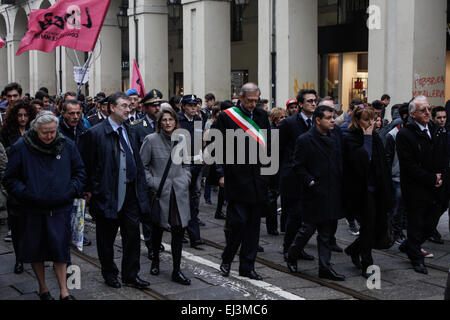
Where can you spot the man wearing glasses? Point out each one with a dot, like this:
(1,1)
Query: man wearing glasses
(423,170)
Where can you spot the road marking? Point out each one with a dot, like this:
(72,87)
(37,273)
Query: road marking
(259,284)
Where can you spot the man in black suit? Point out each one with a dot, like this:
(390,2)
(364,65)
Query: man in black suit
(423,178)
(143,127)
(116,190)
(319,168)
(246,189)
(101,114)
(290,129)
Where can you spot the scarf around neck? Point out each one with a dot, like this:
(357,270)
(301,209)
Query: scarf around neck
(36,145)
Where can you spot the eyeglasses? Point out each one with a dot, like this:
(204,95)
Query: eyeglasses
(312,101)
(423,110)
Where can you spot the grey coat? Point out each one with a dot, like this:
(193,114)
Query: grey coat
(155,152)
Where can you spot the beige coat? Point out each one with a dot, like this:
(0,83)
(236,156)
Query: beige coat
(155,152)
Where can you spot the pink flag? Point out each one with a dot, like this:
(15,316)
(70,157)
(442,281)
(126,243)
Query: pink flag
(74,24)
(2,43)
(136,80)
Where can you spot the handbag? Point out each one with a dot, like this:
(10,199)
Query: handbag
(155,207)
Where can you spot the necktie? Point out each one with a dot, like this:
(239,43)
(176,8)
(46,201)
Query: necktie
(426,132)
(131,165)
(309,123)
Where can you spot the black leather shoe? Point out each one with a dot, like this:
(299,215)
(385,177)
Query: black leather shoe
(273,232)
(18,268)
(219,215)
(225,269)
(252,275)
(86,242)
(335,248)
(330,274)
(197,244)
(161,248)
(292,266)
(150,255)
(185,240)
(305,256)
(201,223)
(154,270)
(260,249)
(46,296)
(420,268)
(69,297)
(355,258)
(402,247)
(137,283)
(113,283)
(435,239)
(180,278)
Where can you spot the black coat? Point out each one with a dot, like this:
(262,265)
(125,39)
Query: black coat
(244,182)
(191,126)
(143,128)
(357,169)
(290,130)
(420,160)
(99,147)
(95,119)
(73,134)
(316,161)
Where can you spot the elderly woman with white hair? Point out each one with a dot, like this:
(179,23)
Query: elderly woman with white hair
(43,176)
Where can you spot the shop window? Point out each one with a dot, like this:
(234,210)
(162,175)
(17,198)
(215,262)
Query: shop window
(238,79)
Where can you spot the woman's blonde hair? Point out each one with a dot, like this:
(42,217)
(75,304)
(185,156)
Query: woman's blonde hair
(276,113)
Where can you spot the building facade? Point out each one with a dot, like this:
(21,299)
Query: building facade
(343,48)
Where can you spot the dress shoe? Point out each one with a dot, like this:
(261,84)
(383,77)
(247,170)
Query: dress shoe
(180,278)
(292,266)
(355,258)
(18,268)
(208,202)
(364,272)
(260,249)
(185,240)
(225,269)
(402,247)
(252,275)
(219,215)
(335,248)
(330,274)
(69,297)
(436,239)
(113,283)
(273,233)
(137,283)
(420,268)
(305,256)
(150,255)
(86,242)
(201,223)
(154,269)
(161,248)
(196,244)
(46,296)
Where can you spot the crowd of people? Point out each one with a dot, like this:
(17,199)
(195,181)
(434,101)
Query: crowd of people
(116,152)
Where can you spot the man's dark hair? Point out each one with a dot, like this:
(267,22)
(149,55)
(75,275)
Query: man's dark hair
(355,102)
(72,102)
(13,86)
(264,101)
(81,97)
(69,93)
(403,111)
(227,104)
(377,105)
(41,95)
(3,93)
(394,108)
(320,112)
(44,89)
(210,96)
(303,92)
(435,110)
(37,101)
(116,96)
(385,96)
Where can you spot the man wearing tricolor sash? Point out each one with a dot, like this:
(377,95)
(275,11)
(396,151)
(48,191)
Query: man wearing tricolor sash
(246,189)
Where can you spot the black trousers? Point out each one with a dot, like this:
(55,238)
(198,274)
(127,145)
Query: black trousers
(325,235)
(242,227)
(220,199)
(106,230)
(147,232)
(176,244)
(292,208)
(364,244)
(271,212)
(422,221)
(194,201)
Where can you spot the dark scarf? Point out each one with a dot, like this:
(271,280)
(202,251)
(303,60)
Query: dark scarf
(34,144)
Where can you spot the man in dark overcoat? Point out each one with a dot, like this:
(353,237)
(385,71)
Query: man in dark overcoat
(423,177)
(246,189)
(319,168)
(116,190)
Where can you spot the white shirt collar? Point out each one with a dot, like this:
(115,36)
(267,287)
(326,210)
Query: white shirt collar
(305,117)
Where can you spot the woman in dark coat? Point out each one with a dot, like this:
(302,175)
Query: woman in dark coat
(16,123)
(174,200)
(43,176)
(367,186)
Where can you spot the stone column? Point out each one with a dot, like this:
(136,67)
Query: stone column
(297,43)
(20,65)
(43,71)
(206,48)
(153,43)
(265,24)
(407,50)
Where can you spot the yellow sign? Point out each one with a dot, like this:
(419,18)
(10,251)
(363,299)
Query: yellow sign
(306,85)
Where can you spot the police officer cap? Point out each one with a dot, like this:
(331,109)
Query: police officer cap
(189,99)
(154,97)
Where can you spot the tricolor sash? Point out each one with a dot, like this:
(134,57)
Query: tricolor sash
(247,124)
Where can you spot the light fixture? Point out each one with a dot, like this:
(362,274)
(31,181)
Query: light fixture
(122,18)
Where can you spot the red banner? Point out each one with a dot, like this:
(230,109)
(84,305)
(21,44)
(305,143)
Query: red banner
(2,43)
(136,80)
(74,24)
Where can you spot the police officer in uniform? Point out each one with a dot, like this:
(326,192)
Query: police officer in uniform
(144,127)
(101,114)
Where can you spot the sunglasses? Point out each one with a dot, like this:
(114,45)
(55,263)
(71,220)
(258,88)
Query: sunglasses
(312,101)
